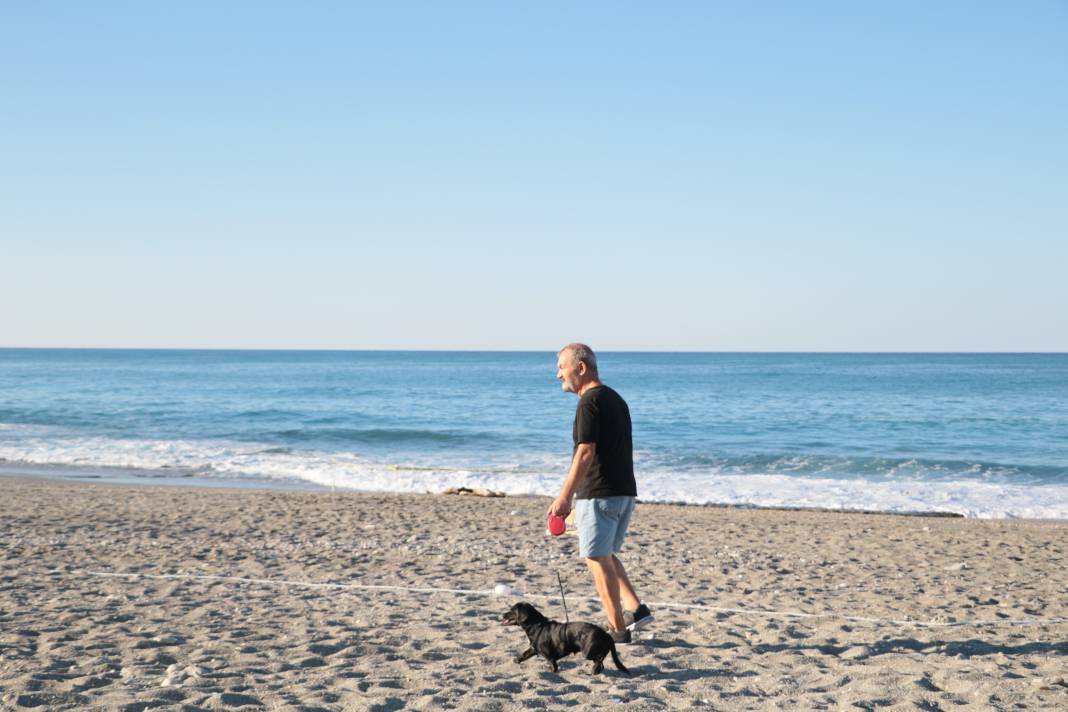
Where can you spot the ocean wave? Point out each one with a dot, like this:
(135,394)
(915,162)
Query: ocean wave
(541,474)
(373,436)
(267,414)
(867,468)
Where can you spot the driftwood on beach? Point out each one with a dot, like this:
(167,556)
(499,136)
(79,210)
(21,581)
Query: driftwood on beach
(474,492)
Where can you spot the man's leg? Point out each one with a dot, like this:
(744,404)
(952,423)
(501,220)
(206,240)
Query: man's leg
(606,580)
(626,591)
(627,596)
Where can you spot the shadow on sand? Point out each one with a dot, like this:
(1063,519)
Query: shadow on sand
(956,648)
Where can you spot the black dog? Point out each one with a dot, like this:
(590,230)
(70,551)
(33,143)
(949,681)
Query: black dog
(553,640)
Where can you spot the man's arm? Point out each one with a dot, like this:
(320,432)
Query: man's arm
(580,465)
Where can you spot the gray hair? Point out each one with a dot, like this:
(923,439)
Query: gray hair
(582,352)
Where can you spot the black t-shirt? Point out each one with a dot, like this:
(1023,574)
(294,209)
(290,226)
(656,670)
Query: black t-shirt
(602,417)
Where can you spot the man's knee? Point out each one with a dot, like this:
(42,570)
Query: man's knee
(604,565)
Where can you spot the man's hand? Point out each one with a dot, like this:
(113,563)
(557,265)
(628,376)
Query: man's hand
(560,507)
(580,465)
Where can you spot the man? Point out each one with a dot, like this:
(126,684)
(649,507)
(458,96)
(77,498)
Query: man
(602,481)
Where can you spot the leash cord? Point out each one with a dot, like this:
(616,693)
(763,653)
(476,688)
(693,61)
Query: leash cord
(562,599)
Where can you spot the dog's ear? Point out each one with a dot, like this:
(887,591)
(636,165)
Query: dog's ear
(522,613)
(527,613)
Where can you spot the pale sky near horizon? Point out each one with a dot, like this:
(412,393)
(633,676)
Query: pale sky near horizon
(824,176)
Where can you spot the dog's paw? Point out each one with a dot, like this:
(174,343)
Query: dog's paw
(517,659)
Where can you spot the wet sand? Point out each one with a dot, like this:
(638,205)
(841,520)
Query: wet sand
(136,597)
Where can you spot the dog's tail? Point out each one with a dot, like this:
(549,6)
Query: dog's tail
(617,661)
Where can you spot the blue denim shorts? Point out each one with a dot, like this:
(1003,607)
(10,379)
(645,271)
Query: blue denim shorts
(602,524)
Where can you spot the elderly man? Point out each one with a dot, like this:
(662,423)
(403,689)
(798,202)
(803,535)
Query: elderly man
(601,480)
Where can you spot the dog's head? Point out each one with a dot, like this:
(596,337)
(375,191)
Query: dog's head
(522,615)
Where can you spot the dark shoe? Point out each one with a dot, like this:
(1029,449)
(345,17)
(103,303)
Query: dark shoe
(620,637)
(638,619)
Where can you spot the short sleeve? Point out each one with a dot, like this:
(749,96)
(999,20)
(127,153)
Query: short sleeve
(586,422)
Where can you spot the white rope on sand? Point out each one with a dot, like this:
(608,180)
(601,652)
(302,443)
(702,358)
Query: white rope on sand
(494,593)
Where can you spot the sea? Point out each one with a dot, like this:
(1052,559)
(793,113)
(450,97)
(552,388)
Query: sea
(979,435)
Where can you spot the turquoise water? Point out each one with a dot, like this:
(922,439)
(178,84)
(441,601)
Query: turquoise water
(983,434)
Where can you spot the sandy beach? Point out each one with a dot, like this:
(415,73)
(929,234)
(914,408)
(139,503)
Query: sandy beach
(139,597)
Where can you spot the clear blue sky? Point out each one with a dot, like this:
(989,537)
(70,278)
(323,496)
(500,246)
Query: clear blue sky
(682,176)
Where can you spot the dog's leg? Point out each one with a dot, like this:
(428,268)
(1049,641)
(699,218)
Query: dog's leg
(525,655)
(598,666)
(553,665)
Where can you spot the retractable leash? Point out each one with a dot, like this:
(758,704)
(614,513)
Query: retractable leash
(562,599)
(558,526)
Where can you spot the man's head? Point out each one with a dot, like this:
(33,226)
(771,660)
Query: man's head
(576,367)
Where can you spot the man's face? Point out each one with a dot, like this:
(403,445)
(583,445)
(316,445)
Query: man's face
(570,372)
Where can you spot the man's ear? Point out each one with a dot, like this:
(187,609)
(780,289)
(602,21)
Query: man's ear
(582,368)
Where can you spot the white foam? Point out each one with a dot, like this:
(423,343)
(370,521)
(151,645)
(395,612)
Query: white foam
(539,475)
(969,498)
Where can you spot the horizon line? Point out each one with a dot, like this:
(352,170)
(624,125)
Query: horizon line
(478,350)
